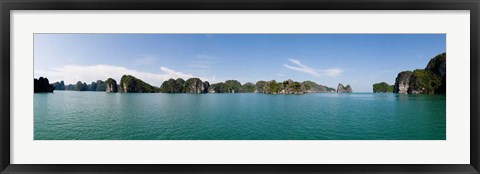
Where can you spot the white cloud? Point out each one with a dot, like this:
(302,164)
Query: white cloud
(280,75)
(332,72)
(169,73)
(298,66)
(302,68)
(73,73)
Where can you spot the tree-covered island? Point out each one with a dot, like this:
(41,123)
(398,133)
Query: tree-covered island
(42,85)
(382,87)
(431,80)
(131,84)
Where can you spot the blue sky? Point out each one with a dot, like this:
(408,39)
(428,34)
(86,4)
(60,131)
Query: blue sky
(328,59)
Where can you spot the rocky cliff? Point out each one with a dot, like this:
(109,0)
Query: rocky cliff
(438,66)
(344,89)
(206,85)
(312,87)
(260,87)
(111,85)
(431,80)
(291,87)
(402,82)
(194,85)
(348,88)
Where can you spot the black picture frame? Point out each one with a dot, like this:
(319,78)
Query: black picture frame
(7,5)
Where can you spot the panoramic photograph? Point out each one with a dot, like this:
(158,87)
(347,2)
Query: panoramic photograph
(239,86)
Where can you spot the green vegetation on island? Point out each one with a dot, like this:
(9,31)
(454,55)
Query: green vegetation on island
(382,87)
(424,82)
(195,85)
(131,84)
(248,87)
(290,87)
(172,86)
(431,80)
(111,85)
(232,86)
(42,85)
(438,66)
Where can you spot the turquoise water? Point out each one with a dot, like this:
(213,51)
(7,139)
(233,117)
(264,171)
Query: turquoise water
(72,115)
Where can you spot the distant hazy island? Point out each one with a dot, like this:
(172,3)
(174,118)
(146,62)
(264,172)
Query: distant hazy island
(431,80)
(131,84)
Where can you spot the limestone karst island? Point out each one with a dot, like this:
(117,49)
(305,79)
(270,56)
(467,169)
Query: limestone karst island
(131,84)
(431,80)
(239,86)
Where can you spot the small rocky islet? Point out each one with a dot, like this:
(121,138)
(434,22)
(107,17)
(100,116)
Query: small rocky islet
(344,89)
(431,80)
(131,84)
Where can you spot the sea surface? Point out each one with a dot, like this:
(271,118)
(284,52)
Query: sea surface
(73,115)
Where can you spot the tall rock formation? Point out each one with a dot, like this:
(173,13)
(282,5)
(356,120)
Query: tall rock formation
(261,87)
(344,89)
(348,88)
(172,86)
(130,83)
(206,85)
(402,82)
(431,80)
(194,85)
(438,65)
(111,85)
